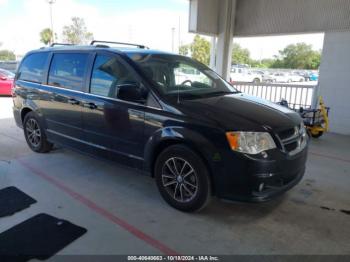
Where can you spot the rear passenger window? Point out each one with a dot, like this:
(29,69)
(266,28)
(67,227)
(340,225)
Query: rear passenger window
(108,74)
(32,67)
(68,70)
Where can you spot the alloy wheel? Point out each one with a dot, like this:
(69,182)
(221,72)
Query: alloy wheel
(179,179)
(33,132)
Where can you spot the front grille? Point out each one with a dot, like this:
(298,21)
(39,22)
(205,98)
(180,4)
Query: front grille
(293,139)
(286,133)
(291,146)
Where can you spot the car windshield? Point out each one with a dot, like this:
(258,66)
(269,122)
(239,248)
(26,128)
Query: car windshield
(8,74)
(181,76)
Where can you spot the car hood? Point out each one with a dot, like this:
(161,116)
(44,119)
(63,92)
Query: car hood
(241,112)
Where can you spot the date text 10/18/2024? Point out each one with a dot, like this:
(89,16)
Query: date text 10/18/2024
(173,258)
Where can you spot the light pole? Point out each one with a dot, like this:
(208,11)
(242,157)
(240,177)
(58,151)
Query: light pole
(179,32)
(51,2)
(173,39)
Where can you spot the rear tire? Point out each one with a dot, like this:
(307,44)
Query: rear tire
(182,178)
(35,134)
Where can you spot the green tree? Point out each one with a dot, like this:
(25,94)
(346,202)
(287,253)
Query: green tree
(46,36)
(184,50)
(77,33)
(264,63)
(298,56)
(6,55)
(200,49)
(240,55)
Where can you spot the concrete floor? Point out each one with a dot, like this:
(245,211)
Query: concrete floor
(124,213)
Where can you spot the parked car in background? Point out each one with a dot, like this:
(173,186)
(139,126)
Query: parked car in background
(303,74)
(278,77)
(240,66)
(296,78)
(9,65)
(188,74)
(308,75)
(313,77)
(244,75)
(6,81)
(282,77)
(258,72)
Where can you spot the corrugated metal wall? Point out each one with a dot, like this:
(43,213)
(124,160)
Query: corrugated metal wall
(273,17)
(269,17)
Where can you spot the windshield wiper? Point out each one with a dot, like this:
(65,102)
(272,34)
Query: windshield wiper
(221,93)
(187,95)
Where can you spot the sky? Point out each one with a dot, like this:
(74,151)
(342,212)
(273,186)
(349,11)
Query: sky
(145,22)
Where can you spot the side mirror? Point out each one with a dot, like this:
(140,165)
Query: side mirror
(130,92)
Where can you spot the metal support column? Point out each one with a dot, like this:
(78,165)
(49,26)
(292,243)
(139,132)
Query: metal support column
(224,42)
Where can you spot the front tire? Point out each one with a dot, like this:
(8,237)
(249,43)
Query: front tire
(182,178)
(35,134)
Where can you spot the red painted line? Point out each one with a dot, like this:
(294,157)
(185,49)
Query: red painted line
(330,157)
(101,211)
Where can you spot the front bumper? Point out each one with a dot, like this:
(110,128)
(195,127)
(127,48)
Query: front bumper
(254,179)
(267,188)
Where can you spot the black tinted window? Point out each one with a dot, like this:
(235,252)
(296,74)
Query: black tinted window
(32,67)
(108,74)
(68,70)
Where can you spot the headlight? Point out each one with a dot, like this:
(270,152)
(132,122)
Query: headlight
(250,142)
(303,129)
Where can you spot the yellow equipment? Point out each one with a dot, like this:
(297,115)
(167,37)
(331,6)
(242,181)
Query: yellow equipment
(316,120)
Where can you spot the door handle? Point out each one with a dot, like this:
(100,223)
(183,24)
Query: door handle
(73,101)
(90,105)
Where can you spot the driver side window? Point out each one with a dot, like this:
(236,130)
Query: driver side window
(108,75)
(187,75)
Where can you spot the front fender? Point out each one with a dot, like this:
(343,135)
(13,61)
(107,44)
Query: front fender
(207,148)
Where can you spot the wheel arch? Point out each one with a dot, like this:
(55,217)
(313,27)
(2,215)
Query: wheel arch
(24,112)
(195,141)
(30,106)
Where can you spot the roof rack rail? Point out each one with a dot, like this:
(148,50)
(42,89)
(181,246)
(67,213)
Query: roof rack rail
(118,43)
(102,46)
(54,44)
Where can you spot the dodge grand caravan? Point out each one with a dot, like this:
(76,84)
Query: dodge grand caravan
(194,133)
